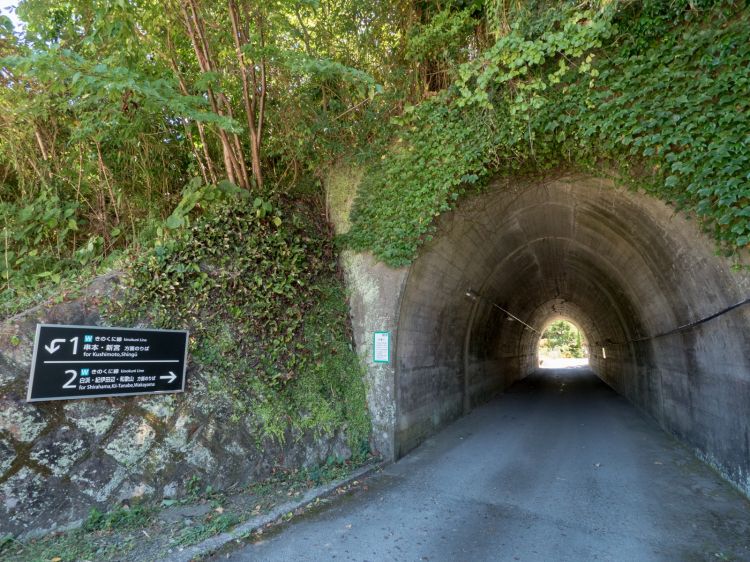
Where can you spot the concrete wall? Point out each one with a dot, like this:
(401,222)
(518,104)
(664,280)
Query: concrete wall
(374,298)
(374,295)
(622,266)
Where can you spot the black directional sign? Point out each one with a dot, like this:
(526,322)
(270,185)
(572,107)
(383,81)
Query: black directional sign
(85,362)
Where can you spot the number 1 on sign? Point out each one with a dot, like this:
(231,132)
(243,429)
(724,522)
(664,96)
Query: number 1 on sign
(74,341)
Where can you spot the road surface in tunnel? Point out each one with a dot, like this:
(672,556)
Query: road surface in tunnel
(558,468)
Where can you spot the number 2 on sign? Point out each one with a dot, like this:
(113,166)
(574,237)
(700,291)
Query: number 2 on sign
(70,384)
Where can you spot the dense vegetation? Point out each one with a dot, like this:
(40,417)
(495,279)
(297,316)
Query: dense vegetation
(159,139)
(109,108)
(653,93)
(563,339)
(257,287)
(186,141)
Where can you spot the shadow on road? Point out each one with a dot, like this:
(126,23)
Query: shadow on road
(560,467)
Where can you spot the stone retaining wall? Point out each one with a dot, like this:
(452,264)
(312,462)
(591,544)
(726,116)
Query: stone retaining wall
(59,459)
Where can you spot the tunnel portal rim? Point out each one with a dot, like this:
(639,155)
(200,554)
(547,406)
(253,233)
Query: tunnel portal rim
(507,201)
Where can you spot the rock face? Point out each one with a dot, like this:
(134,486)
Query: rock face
(60,459)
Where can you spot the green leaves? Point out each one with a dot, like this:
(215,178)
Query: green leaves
(442,36)
(441,151)
(265,309)
(262,208)
(669,107)
(235,259)
(37,240)
(686,118)
(174,221)
(6,25)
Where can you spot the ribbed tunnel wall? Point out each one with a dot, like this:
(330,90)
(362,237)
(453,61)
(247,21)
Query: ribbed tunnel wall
(622,266)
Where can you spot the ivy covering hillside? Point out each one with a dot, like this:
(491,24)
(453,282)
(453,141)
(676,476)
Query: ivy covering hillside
(257,287)
(654,93)
(109,109)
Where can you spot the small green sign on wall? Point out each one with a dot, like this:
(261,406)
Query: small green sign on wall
(381,347)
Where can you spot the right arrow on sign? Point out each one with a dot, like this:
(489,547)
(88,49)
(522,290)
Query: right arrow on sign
(171,377)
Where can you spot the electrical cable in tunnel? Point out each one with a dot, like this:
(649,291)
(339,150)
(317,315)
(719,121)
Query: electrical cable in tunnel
(473,295)
(679,328)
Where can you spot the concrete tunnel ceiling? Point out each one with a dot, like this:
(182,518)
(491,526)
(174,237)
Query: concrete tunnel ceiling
(622,266)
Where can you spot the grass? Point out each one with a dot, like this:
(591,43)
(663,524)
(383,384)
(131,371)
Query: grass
(214,525)
(69,287)
(143,532)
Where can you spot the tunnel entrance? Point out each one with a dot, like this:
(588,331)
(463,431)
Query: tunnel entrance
(620,266)
(562,345)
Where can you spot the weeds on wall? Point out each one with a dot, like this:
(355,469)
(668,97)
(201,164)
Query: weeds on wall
(256,283)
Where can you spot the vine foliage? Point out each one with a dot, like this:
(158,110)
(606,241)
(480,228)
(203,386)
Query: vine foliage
(655,93)
(256,284)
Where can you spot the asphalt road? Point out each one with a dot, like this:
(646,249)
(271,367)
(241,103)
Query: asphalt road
(558,468)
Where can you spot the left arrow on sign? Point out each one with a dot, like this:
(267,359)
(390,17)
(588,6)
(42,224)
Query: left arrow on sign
(171,377)
(52,347)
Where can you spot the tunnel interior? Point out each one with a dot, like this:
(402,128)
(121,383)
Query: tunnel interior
(622,266)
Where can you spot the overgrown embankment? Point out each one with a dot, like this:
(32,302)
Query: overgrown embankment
(272,382)
(257,284)
(652,93)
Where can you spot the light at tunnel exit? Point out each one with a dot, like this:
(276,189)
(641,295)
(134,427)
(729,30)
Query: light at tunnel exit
(562,345)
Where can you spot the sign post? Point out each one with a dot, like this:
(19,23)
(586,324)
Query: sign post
(71,362)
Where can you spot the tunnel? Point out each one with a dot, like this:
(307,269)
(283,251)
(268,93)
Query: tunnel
(641,280)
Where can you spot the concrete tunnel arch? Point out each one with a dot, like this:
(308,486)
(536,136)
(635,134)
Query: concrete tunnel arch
(621,265)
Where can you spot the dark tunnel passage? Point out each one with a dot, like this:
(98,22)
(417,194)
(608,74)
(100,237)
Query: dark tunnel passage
(623,267)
